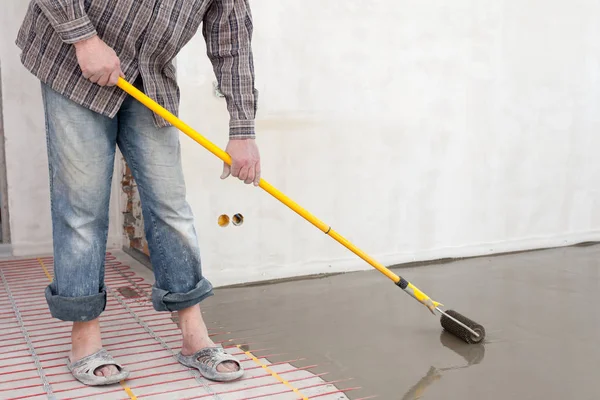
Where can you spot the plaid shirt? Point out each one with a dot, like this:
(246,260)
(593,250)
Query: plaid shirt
(146,35)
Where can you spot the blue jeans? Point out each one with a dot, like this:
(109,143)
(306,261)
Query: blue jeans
(81,152)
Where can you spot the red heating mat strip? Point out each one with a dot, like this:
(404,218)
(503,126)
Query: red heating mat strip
(34,347)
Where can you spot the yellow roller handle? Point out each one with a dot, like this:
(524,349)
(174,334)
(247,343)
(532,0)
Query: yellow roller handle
(152,105)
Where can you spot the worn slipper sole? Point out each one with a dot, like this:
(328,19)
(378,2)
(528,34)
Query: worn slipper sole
(83,370)
(208,359)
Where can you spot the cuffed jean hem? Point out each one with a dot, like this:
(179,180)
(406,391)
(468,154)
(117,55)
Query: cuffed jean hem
(168,301)
(75,309)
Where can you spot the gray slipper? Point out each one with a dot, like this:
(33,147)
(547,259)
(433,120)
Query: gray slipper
(83,370)
(208,359)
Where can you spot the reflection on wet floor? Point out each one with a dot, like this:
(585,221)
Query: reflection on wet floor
(472,354)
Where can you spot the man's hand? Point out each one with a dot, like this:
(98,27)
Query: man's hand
(98,62)
(245,161)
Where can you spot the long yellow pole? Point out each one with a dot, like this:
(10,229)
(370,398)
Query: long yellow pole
(158,109)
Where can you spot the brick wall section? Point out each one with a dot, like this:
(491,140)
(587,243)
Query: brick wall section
(133,222)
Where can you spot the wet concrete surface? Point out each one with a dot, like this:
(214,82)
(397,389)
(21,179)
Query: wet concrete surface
(540,311)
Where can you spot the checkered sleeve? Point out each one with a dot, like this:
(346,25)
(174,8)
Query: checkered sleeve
(227,29)
(68,18)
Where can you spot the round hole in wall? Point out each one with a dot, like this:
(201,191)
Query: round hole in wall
(223,221)
(238,219)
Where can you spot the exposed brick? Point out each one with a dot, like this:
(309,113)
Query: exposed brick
(133,222)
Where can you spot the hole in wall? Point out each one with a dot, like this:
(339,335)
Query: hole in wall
(238,219)
(223,220)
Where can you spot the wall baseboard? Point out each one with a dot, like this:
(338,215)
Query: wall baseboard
(323,267)
(138,256)
(6,251)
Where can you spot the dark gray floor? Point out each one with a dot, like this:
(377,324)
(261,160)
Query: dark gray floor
(540,310)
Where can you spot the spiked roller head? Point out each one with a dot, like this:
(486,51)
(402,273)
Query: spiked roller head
(459,331)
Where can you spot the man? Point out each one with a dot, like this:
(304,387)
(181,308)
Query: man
(78,49)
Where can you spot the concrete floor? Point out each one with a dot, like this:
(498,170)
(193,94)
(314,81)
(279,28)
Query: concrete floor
(539,309)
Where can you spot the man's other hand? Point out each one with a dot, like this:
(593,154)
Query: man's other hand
(98,62)
(245,161)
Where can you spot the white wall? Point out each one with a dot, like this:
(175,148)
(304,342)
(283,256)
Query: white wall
(416,129)
(26,157)
(440,129)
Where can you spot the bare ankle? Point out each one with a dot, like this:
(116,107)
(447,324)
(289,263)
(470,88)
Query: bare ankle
(85,339)
(191,322)
(194,331)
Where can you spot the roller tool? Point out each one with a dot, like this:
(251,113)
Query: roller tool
(453,322)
